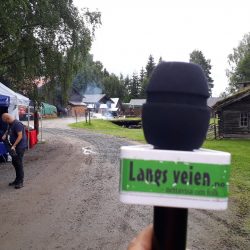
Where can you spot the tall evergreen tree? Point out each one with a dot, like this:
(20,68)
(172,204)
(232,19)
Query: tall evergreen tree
(150,66)
(142,75)
(143,83)
(124,91)
(134,90)
(127,88)
(197,57)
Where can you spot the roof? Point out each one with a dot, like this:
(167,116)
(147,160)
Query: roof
(23,100)
(115,102)
(76,97)
(15,98)
(93,98)
(77,103)
(137,102)
(233,98)
(211,101)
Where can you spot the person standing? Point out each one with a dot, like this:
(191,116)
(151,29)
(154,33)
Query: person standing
(16,140)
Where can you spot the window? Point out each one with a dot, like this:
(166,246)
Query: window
(243,120)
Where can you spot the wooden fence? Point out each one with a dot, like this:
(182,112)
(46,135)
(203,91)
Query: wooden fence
(213,132)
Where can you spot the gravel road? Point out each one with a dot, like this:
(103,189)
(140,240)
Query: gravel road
(71,200)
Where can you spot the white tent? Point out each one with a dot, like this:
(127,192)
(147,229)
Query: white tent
(16,100)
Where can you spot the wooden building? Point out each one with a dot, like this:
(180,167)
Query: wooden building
(94,101)
(79,104)
(211,102)
(76,106)
(233,115)
(134,107)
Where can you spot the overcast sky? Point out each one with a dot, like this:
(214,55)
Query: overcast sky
(131,30)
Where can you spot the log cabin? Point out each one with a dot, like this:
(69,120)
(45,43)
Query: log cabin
(233,114)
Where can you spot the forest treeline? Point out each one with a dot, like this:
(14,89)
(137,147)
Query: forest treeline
(49,42)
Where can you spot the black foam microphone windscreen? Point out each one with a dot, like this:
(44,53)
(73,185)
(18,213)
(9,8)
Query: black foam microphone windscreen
(175,115)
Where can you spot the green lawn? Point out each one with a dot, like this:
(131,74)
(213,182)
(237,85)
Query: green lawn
(107,127)
(240,169)
(240,175)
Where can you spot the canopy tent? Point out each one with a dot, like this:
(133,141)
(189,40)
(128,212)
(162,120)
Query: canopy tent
(48,109)
(15,100)
(4,104)
(23,100)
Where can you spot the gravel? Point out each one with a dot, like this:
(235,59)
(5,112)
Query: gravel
(71,200)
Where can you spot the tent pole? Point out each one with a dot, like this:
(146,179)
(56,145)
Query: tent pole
(41,123)
(28,127)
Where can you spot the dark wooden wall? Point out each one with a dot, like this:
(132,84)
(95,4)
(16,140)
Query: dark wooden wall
(229,119)
(132,112)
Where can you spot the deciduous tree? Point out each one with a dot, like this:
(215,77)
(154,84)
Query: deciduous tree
(46,39)
(239,63)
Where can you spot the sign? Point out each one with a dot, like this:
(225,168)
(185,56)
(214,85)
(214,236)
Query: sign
(4,101)
(197,179)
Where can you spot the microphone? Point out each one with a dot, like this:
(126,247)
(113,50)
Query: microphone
(175,117)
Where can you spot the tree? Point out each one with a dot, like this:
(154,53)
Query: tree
(46,39)
(126,85)
(89,78)
(243,68)
(197,57)
(125,94)
(239,63)
(113,87)
(143,83)
(142,75)
(150,66)
(134,88)
(105,72)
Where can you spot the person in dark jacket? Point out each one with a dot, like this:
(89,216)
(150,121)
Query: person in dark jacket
(15,137)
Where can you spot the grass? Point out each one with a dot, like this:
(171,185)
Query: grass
(107,127)
(213,120)
(240,174)
(240,167)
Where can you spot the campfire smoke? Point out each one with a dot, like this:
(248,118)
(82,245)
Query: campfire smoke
(92,89)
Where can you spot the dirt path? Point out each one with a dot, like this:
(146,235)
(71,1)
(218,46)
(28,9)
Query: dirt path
(71,200)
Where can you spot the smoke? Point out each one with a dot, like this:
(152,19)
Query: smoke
(108,115)
(108,103)
(92,89)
